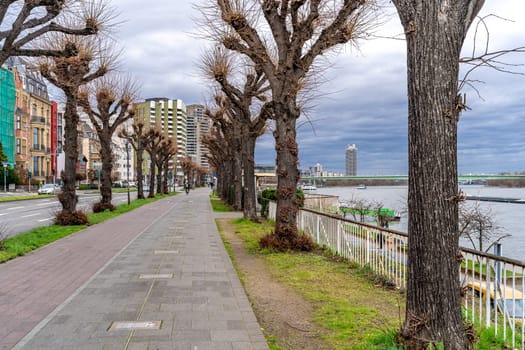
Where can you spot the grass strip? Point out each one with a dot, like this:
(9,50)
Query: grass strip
(38,237)
(218,205)
(356,313)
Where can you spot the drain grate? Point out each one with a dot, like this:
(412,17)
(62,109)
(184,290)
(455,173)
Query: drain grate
(166,252)
(156,276)
(134,325)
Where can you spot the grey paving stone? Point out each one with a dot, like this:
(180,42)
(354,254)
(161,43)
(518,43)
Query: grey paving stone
(202,307)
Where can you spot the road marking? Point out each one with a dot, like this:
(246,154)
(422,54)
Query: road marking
(47,203)
(3,214)
(45,219)
(27,216)
(13,208)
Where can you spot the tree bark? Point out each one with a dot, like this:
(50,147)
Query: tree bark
(69,198)
(237,177)
(152,168)
(435,33)
(249,208)
(287,176)
(107,166)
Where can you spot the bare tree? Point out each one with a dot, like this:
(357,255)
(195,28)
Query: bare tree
(219,66)
(435,32)
(167,151)
(479,227)
(25,22)
(219,152)
(298,32)
(108,103)
(137,140)
(92,60)
(153,140)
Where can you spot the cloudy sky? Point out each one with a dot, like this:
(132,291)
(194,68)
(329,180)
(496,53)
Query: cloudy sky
(364,100)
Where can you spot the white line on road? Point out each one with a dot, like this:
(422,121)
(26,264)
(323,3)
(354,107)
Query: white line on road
(47,203)
(27,216)
(45,219)
(13,208)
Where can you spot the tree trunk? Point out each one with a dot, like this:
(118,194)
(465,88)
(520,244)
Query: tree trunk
(159,179)
(165,188)
(435,33)
(249,208)
(107,166)
(287,176)
(237,180)
(69,198)
(152,179)
(140,175)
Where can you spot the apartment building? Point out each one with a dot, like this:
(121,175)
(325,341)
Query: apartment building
(170,116)
(351,160)
(198,125)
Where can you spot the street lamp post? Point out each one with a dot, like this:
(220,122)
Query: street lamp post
(5,177)
(127,168)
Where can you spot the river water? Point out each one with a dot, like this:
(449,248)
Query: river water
(508,216)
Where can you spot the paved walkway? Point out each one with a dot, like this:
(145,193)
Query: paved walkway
(156,278)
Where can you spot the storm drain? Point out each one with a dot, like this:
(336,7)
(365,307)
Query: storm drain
(156,276)
(134,325)
(166,252)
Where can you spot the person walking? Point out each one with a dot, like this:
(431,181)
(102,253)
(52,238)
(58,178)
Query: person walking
(187,187)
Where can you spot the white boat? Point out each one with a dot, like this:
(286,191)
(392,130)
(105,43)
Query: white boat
(361,187)
(308,188)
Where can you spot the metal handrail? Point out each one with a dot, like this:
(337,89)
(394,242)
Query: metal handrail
(494,285)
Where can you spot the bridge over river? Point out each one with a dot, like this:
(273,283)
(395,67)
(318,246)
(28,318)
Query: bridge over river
(403,179)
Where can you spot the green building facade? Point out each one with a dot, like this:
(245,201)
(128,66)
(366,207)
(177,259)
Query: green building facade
(7,108)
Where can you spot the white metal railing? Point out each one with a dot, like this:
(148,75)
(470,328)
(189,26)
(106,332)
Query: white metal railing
(494,285)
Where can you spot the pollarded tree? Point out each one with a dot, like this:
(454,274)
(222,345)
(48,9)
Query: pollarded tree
(219,153)
(284,39)
(153,140)
(435,32)
(249,122)
(137,139)
(108,103)
(26,22)
(91,60)
(167,151)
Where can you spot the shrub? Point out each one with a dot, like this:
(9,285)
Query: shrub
(298,243)
(70,218)
(271,195)
(101,207)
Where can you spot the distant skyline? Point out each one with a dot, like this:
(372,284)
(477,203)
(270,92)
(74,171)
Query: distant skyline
(364,101)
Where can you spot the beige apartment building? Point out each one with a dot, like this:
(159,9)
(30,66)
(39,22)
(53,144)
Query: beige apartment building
(170,116)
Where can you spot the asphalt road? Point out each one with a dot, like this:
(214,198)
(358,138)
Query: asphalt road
(21,216)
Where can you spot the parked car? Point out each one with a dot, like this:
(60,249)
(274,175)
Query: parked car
(49,189)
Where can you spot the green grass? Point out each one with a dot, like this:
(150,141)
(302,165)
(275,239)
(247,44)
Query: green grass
(38,237)
(24,197)
(352,311)
(218,205)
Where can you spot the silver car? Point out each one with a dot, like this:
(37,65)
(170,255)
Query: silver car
(49,189)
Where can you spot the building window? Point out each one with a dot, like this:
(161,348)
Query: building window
(35,137)
(18,123)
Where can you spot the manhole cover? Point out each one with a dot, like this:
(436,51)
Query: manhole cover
(166,252)
(156,276)
(134,325)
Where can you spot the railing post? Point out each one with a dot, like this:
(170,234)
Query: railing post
(318,228)
(339,224)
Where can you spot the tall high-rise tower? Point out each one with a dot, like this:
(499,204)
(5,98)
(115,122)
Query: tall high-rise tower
(351,160)
(168,115)
(198,125)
